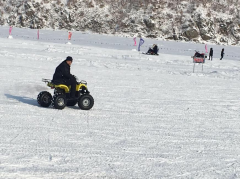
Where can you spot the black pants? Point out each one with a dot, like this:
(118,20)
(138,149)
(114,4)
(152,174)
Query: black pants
(210,57)
(151,51)
(72,81)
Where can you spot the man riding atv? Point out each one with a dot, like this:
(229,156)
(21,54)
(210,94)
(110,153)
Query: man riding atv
(68,91)
(62,75)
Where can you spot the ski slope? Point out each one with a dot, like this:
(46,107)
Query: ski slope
(153,117)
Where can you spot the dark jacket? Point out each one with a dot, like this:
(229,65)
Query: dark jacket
(155,49)
(62,73)
(211,52)
(222,53)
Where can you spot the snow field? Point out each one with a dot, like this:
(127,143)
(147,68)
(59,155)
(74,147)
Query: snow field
(153,117)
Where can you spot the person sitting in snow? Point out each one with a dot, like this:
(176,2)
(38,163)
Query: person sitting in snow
(153,50)
(62,75)
(197,54)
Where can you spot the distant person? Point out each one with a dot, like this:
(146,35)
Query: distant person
(222,54)
(197,54)
(211,54)
(153,50)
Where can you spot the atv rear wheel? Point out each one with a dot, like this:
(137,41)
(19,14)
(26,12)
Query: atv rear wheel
(44,99)
(59,101)
(86,102)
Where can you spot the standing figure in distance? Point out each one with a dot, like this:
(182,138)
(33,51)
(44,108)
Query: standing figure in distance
(222,54)
(211,54)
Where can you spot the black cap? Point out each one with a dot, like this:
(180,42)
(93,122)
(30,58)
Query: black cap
(69,59)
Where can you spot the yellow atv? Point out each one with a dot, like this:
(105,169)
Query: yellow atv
(61,97)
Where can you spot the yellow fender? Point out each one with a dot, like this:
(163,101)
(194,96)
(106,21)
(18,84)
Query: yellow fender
(67,88)
(80,86)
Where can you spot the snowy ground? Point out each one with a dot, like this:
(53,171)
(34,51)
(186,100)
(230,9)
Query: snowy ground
(153,117)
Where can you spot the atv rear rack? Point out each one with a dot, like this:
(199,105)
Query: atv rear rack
(49,82)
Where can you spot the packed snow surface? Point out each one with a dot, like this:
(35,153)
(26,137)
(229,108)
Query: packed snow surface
(153,117)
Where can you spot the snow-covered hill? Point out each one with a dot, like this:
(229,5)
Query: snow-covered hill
(153,117)
(216,21)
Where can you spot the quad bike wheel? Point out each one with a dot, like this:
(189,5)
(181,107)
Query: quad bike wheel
(44,99)
(59,101)
(86,102)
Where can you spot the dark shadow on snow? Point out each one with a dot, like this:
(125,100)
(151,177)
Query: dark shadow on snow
(22,99)
(74,107)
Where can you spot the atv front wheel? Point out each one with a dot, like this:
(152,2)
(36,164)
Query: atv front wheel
(59,101)
(44,99)
(86,102)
